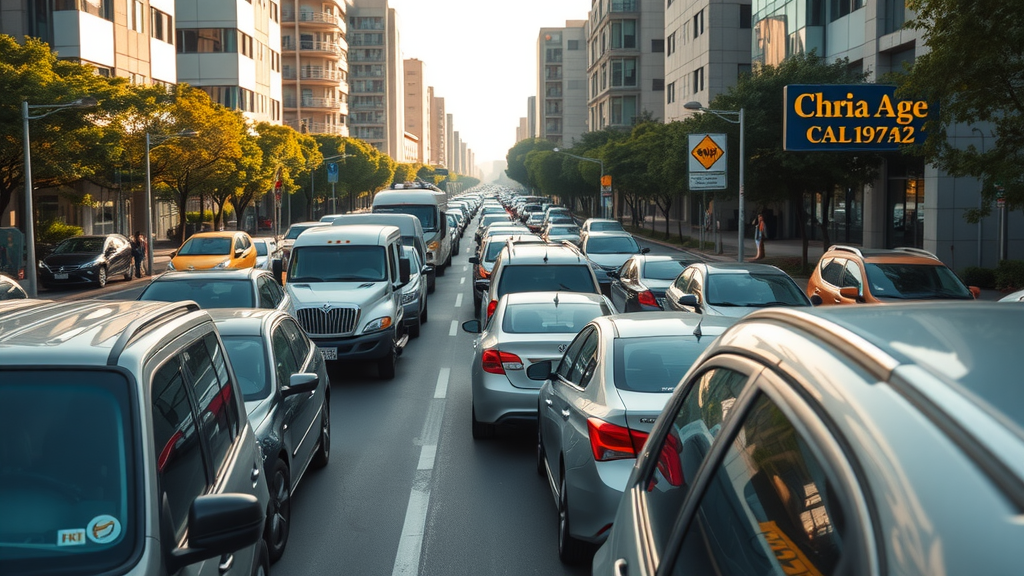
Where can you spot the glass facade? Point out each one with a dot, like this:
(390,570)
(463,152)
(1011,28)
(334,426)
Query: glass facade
(786,27)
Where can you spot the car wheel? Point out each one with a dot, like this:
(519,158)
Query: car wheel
(414,330)
(386,365)
(323,447)
(423,315)
(481,430)
(101,276)
(439,270)
(262,565)
(449,261)
(570,550)
(431,283)
(279,514)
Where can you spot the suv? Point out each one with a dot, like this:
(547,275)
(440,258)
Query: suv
(893,275)
(536,268)
(126,445)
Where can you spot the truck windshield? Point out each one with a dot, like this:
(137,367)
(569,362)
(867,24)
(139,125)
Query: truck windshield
(337,264)
(426,213)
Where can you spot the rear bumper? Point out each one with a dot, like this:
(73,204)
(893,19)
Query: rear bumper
(496,401)
(595,489)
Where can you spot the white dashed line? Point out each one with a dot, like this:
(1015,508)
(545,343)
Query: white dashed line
(454,329)
(441,390)
(458,301)
(462,280)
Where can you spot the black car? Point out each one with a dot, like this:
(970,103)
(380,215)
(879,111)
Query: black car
(87,260)
(640,284)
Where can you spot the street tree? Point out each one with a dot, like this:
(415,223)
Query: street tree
(516,160)
(281,156)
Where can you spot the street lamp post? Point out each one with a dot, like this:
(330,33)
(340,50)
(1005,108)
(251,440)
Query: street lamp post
(743,161)
(150,236)
(595,160)
(980,195)
(30,234)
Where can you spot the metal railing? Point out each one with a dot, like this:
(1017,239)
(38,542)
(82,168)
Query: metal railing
(290,102)
(313,46)
(313,73)
(312,17)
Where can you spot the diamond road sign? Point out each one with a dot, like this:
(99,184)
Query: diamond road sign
(708,162)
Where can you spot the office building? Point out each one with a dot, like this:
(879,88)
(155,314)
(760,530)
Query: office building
(561,83)
(417,110)
(438,131)
(376,79)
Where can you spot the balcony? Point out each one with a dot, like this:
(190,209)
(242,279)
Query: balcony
(624,6)
(315,74)
(317,127)
(313,47)
(322,103)
(318,19)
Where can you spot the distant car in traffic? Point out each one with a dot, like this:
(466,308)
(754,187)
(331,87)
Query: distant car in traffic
(214,250)
(87,260)
(266,251)
(640,284)
(732,289)
(247,288)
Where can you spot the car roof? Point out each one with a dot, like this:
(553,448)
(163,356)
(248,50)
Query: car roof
(376,233)
(217,234)
(738,268)
(212,274)
(549,297)
(609,234)
(592,220)
(544,253)
(641,324)
(242,321)
(903,254)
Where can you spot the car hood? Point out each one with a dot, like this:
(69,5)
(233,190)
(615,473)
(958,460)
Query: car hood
(198,262)
(609,260)
(305,295)
(74,259)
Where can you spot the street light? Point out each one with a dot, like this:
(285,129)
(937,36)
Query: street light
(585,159)
(980,192)
(150,236)
(30,233)
(743,160)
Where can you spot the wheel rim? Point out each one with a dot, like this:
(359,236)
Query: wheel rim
(280,508)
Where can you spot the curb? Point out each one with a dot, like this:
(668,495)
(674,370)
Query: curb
(677,248)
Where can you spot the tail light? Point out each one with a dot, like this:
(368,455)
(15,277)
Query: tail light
(496,361)
(647,299)
(482,272)
(491,306)
(612,442)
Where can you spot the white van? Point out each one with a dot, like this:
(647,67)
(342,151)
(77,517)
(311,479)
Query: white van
(346,285)
(410,227)
(429,204)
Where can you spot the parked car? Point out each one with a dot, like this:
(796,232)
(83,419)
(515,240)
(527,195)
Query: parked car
(10,289)
(283,380)
(142,461)
(214,250)
(414,294)
(732,289)
(607,251)
(640,284)
(526,328)
(836,440)
(892,276)
(599,225)
(247,288)
(87,260)
(1017,296)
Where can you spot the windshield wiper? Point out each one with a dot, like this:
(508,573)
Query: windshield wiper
(772,303)
(349,279)
(296,279)
(725,304)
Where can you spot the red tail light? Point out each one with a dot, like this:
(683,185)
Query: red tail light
(647,299)
(491,306)
(496,361)
(482,272)
(611,442)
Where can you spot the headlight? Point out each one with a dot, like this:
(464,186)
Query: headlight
(377,324)
(433,246)
(223,264)
(43,265)
(170,265)
(410,297)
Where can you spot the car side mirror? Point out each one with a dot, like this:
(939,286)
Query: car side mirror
(174,253)
(471,326)
(218,524)
(688,300)
(404,271)
(277,267)
(816,300)
(301,383)
(239,252)
(474,260)
(540,371)
(424,269)
(645,250)
(851,292)
(482,284)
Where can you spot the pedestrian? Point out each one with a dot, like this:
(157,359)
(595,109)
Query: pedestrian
(760,231)
(139,248)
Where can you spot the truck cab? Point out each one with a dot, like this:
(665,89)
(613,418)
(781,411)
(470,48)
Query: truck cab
(429,204)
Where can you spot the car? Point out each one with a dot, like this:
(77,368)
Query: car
(595,409)
(486,220)
(535,221)
(287,392)
(892,276)
(607,251)
(10,289)
(732,289)
(526,328)
(454,232)
(292,233)
(640,284)
(142,462)
(214,250)
(411,230)
(87,260)
(245,288)
(836,440)
(483,262)
(536,268)
(503,228)
(558,233)
(266,251)
(428,203)
(1017,296)
(599,225)
(414,294)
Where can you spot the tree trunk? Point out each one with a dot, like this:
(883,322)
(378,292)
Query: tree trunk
(802,216)
(826,203)
(182,219)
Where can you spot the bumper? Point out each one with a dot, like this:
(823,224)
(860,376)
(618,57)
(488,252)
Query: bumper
(595,489)
(412,313)
(496,401)
(80,276)
(368,347)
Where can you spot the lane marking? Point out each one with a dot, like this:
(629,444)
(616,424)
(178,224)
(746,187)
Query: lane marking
(442,383)
(454,329)
(462,280)
(465,267)
(458,301)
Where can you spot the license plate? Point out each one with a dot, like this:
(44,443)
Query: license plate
(60,276)
(329,353)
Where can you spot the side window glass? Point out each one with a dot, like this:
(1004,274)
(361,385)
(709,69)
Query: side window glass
(851,275)
(215,403)
(688,441)
(297,339)
(571,353)
(267,299)
(683,280)
(769,509)
(833,271)
(220,367)
(180,470)
(696,286)
(284,358)
(583,368)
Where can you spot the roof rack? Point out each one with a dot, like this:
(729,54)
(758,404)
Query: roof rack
(147,322)
(917,251)
(847,249)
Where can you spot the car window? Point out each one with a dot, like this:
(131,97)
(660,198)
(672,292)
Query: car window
(284,357)
(298,341)
(696,423)
(205,246)
(696,285)
(663,269)
(851,275)
(910,281)
(215,399)
(545,277)
(268,298)
(181,472)
(248,358)
(769,507)
(655,363)
(549,318)
(753,289)
(611,245)
(572,352)
(276,290)
(208,293)
(583,366)
(683,280)
(833,271)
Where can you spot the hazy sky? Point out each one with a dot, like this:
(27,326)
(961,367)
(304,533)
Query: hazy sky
(480,56)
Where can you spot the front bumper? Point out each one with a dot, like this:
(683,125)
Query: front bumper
(412,312)
(79,276)
(365,347)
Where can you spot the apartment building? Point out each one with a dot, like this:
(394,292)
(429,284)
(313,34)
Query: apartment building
(417,109)
(449,141)
(562,83)
(377,94)
(438,131)
(314,66)
(626,61)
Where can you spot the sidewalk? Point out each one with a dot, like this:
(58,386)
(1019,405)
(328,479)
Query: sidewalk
(162,255)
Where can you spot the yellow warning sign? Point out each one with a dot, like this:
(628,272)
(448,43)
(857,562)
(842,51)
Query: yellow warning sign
(707,152)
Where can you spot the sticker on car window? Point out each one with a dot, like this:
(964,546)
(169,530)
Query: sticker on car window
(103,529)
(73,537)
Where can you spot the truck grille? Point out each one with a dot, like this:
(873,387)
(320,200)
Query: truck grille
(320,322)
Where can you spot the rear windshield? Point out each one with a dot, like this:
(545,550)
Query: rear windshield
(337,264)
(613,245)
(604,226)
(295,229)
(493,249)
(655,363)
(664,270)
(211,293)
(67,472)
(915,281)
(426,213)
(754,289)
(546,277)
(215,246)
(548,318)
(250,363)
(563,230)
(492,218)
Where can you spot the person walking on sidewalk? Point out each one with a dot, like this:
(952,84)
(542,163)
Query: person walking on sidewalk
(139,249)
(760,231)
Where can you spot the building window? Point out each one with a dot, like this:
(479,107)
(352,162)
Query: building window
(745,16)
(698,24)
(275,61)
(623,72)
(553,55)
(161,26)
(658,45)
(670,93)
(658,84)
(623,110)
(245,43)
(895,15)
(207,40)
(102,8)
(604,76)
(623,34)
(275,12)
(136,16)
(670,44)
(572,44)
(842,8)
(698,80)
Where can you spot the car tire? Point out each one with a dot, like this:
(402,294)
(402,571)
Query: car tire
(423,315)
(481,430)
(386,365)
(262,565)
(101,276)
(414,330)
(448,263)
(439,270)
(322,455)
(279,511)
(571,550)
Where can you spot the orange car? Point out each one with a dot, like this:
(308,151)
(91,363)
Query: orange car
(847,275)
(207,250)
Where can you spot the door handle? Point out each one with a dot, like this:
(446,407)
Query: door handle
(837,300)
(565,413)
(548,401)
(255,476)
(817,290)
(620,567)
(226,562)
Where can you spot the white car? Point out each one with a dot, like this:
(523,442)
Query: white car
(265,249)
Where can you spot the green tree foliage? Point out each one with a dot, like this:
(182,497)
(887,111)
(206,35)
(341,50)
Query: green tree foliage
(974,71)
(271,153)
(516,160)
(363,170)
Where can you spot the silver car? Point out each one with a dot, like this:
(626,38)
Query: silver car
(526,328)
(414,294)
(732,289)
(266,251)
(598,406)
(560,232)
(237,288)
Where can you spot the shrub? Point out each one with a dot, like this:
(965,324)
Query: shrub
(54,231)
(1010,275)
(194,218)
(978,276)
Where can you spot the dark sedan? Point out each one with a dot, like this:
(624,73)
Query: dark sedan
(87,260)
(640,284)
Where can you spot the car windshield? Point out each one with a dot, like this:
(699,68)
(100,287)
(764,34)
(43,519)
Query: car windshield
(605,226)
(426,213)
(549,318)
(560,219)
(208,293)
(206,246)
(754,289)
(663,270)
(410,254)
(655,363)
(546,277)
(80,246)
(248,358)
(67,472)
(612,245)
(564,231)
(295,229)
(492,218)
(337,264)
(915,282)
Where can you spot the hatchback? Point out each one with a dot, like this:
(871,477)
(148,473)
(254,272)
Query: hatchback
(215,250)
(732,289)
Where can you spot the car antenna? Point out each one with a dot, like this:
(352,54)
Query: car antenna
(545,255)
(696,331)
(556,299)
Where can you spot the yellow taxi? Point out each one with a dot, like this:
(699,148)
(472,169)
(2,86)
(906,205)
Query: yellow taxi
(212,250)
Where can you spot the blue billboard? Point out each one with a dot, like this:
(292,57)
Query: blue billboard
(855,117)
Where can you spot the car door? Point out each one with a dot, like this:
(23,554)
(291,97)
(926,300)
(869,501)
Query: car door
(571,404)
(268,298)
(550,417)
(303,409)
(831,281)
(618,290)
(852,278)
(677,289)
